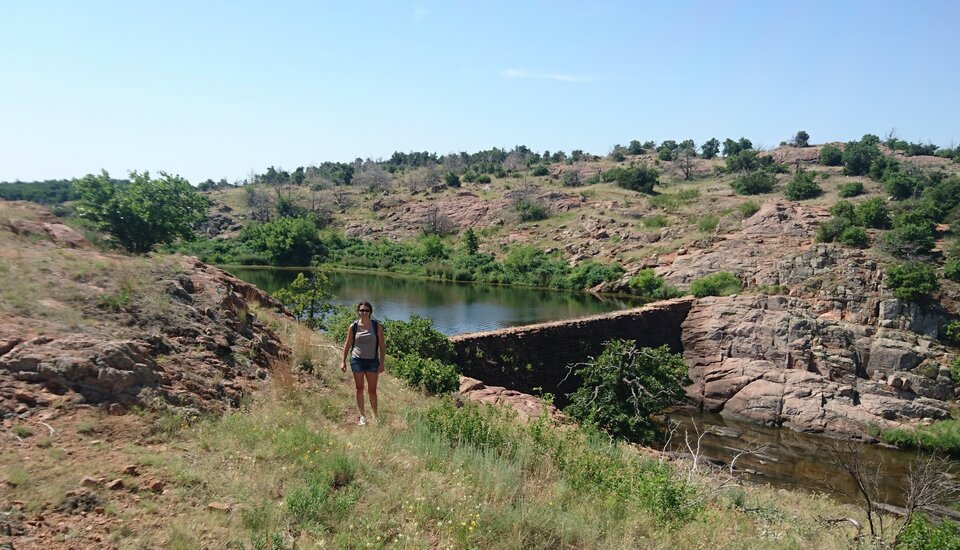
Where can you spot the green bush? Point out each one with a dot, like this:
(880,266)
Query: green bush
(531,210)
(844,209)
(754,183)
(540,170)
(308,297)
(748,209)
(476,425)
(829,231)
(901,186)
(637,178)
(623,387)
(951,269)
(852,189)
(483,178)
(911,281)
(943,435)
(858,155)
(431,375)
(673,201)
(417,337)
(650,286)
(831,155)
(708,223)
(854,236)
(590,273)
(572,179)
(286,241)
(721,283)
(921,534)
(873,213)
(802,186)
(951,333)
(909,240)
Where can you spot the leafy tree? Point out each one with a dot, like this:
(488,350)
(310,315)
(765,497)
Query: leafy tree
(623,387)
(802,186)
(417,337)
(540,170)
(901,186)
(831,230)
(43,192)
(908,240)
(831,155)
(911,282)
(572,178)
(635,148)
(951,269)
(710,149)
(308,297)
(754,183)
(854,236)
(144,213)
(286,241)
(471,244)
(801,139)
(882,167)
(857,157)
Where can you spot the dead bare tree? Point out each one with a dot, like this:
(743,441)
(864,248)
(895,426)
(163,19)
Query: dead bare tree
(847,458)
(437,223)
(928,485)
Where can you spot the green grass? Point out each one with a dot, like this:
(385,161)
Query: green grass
(940,436)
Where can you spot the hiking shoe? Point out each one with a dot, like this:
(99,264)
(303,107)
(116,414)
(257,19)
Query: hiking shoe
(363,421)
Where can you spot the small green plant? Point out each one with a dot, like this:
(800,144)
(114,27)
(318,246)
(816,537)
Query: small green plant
(922,534)
(21,430)
(431,375)
(852,189)
(647,284)
(44,443)
(116,302)
(912,281)
(951,333)
(708,223)
(955,370)
(748,209)
(951,269)
(655,222)
(530,210)
(18,476)
(417,337)
(86,427)
(308,297)
(721,283)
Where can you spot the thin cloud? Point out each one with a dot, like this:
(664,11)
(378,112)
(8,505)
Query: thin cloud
(558,77)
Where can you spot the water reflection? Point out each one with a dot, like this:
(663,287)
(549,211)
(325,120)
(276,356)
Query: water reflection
(789,459)
(455,308)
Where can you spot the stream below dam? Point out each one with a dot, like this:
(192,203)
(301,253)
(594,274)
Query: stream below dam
(782,457)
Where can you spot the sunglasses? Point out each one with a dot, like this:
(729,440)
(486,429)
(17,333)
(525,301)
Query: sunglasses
(364,310)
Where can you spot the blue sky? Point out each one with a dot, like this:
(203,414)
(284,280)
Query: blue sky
(220,89)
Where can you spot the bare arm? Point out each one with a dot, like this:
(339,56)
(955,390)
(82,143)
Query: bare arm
(383,346)
(346,349)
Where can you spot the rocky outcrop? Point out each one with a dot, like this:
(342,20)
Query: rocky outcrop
(527,407)
(204,350)
(835,352)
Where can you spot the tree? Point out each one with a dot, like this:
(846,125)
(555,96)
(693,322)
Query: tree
(857,157)
(911,282)
(753,183)
(572,178)
(710,149)
(308,297)
(452,180)
(471,244)
(684,160)
(635,148)
(625,386)
(145,212)
(801,139)
(802,186)
(637,178)
(831,155)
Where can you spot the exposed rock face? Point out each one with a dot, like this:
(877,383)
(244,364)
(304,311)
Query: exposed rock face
(527,407)
(836,355)
(204,351)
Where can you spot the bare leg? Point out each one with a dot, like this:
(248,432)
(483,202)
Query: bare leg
(358,381)
(372,390)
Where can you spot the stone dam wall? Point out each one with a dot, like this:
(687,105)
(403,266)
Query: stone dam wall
(534,359)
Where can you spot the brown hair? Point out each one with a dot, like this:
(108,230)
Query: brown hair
(361,304)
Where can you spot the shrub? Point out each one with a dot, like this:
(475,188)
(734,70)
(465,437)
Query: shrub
(922,534)
(572,179)
(951,270)
(531,211)
(431,375)
(883,167)
(830,231)
(911,282)
(483,178)
(475,425)
(951,333)
(857,157)
(417,337)
(802,186)
(900,186)
(650,286)
(624,386)
(748,209)
(854,236)
(721,283)
(591,273)
(873,213)
(708,223)
(540,170)
(638,178)
(308,297)
(831,155)
(909,240)
(852,189)
(845,210)
(754,183)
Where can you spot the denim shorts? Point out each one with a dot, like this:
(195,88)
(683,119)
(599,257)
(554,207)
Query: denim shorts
(358,365)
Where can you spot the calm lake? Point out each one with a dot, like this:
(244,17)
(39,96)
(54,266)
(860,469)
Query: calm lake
(455,308)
